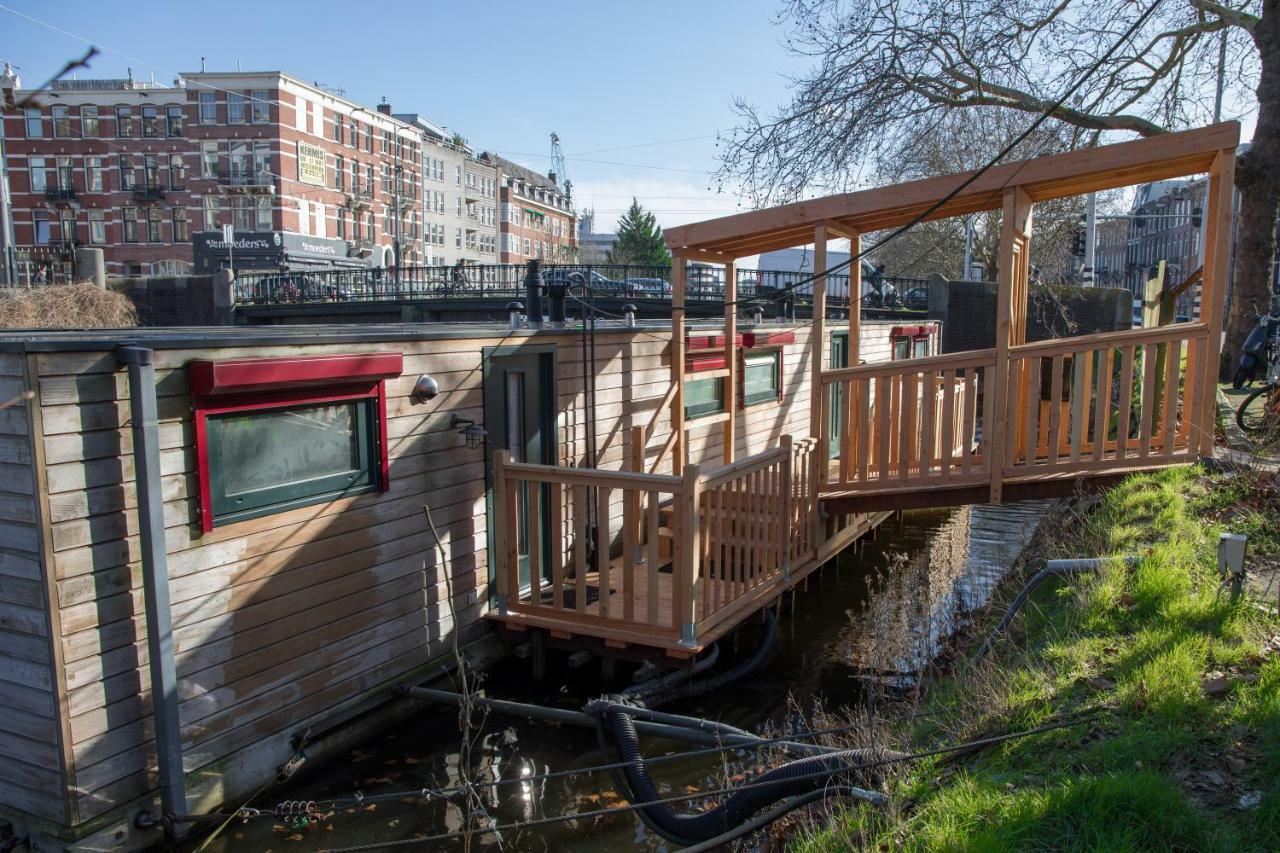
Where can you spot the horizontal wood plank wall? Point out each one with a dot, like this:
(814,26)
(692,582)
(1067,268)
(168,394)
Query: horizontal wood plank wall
(279,619)
(31,759)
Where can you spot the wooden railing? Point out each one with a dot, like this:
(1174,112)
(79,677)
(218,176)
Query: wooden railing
(903,424)
(651,555)
(1112,400)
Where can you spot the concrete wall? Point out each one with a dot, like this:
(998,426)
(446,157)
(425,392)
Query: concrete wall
(197,300)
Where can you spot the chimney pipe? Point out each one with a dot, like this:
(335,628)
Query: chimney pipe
(533,287)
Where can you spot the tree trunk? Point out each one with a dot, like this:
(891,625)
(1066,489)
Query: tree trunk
(1258,179)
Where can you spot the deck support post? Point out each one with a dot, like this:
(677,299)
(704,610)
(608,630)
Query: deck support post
(817,345)
(684,598)
(787,506)
(680,450)
(730,361)
(1011,327)
(1217,260)
(500,531)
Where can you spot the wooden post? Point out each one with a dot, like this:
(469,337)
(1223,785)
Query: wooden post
(1217,258)
(1015,231)
(854,426)
(817,340)
(677,362)
(730,360)
(502,523)
(686,580)
(855,301)
(787,489)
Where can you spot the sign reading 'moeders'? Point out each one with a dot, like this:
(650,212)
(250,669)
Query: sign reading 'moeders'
(310,164)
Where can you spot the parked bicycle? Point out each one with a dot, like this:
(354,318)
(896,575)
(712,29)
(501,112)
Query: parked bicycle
(1259,413)
(1259,347)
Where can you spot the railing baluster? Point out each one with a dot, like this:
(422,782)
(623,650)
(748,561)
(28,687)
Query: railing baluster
(580,534)
(1126,400)
(906,410)
(945,457)
(1188,391)
(1172,366)
(1031,442)
(653,563)
(927,431)
(864,445)
(555,507)
(884,397)
(1149,360)
(1058,366)
(1083,363)
(533,509)
(630,514)
(1102,403)
(970,430)
(602,547)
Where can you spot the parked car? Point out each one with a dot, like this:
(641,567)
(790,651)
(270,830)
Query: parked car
(600,285)
(916,299)
(648,286)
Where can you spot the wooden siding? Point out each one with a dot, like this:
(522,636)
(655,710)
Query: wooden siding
(31,762)
(280,619)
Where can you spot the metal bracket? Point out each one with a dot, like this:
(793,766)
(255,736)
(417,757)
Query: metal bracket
(689,634)
(503,601)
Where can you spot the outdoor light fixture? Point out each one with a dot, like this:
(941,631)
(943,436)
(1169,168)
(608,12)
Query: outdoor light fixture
(468,429)
(426,388)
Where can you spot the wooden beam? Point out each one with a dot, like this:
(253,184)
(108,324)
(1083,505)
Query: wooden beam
(731,352)
(677,361)
(1217,259)
(1056,176)
(1015,226)
(706,257)
(841,230)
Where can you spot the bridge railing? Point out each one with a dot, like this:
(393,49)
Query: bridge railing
(631,282)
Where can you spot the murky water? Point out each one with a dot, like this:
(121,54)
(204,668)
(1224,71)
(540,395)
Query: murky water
(876,615)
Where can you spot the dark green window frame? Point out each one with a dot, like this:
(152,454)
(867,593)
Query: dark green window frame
(838,358)
(703,397)
(365,477)
(773,393)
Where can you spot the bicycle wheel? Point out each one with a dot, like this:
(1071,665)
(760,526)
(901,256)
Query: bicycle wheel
(1260,411)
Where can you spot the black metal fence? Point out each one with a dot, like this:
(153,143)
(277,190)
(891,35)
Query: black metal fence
(506,281)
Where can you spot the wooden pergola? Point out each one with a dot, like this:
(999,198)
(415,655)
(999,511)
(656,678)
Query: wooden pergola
(1014,188)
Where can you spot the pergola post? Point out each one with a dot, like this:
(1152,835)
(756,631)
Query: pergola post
(1011,328)
(817,340)
(730,360)
(677,361)
(1217,258)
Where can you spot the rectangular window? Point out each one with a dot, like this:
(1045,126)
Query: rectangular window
(368,138)
(268,460)
(93,174)
(65,171)
(126,172)
(242,213)
(130,218)
(235,108)
(339,128)
(208,159)
(150,170)
(39,177)
(761,377)
(173,121)
(88,121)
(97,227)
(264,214)
(61,121)
(40,221)
(124,122)
(208,107)
(153,225)
(211,210)
(703,397)
(339,171)
(342,224)
(260,106)
(35,124)
(177,172)
(181,228)
(150,123)
(67,225)
(457,174)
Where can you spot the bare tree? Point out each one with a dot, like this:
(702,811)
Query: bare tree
(887,71)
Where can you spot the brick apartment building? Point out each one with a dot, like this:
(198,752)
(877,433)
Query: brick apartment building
(536,217)
(308,179)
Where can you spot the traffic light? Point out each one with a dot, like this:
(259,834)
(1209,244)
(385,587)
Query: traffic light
(1077,243)
(1196,216)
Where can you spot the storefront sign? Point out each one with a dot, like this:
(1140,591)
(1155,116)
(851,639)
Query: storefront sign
(310,164)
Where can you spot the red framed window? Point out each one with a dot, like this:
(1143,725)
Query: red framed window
(274,434)
(911,341)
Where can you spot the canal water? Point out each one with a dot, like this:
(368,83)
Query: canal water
(867,622)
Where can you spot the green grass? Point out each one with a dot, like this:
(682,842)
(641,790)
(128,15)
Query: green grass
(1162,765)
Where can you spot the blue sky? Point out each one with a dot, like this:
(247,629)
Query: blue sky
(619,81)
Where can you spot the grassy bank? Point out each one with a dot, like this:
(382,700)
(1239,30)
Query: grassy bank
(1181,748)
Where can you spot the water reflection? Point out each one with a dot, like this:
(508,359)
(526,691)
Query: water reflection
(880,612)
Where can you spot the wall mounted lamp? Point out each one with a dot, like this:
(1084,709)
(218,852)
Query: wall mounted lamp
(468,429)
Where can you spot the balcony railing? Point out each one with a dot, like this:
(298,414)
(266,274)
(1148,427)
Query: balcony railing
(253,180)
(60,193)
(148,192)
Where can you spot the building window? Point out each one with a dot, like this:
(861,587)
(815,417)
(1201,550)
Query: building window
(93,174)
(35,124)
(208,107)
(61,121)
(457,174)
(38,177)
(173,120)
(339,128)
(97,227)
(242,213)
(261,452)
(150,123)
(177,172)
(150,170)
(130,218)
(88,121)
(153,225)
(124,122)
(235,108)
(342,223)
(457,238)
(181,228)
(264,214)
(65,172)
(212,209)
(67,224)
(761,377)
(703,397)
(339,171)
(40,224)
(261,106)
(208,159)
(126,172)
(368,138)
